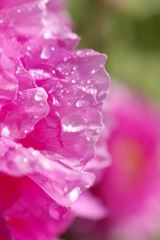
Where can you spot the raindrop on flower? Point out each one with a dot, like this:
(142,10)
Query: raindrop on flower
(73,195)
(25,160)
(46,52)
(5,132)
(80,103)
(74,123)
(38,96)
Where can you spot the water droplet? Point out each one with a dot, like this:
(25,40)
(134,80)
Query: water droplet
(29,48)
(80,103)
(40,74)
(74,123)
(26,131)
(36,115)
(73,195)
(92,91)
(5,132)
(74,68)
(88,138)
(101,93)
(98,130)
(55,102)
(25,160)
(65,189)
(35,153)
(20,95)
(29,130)
(38,96)
(42,104)
(46,52)
(46,165)
(57,113)
(47,34)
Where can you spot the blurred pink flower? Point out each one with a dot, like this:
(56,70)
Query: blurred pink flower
(129,187)
(51,98)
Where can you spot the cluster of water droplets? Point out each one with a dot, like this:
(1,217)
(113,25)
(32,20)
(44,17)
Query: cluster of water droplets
(23,113)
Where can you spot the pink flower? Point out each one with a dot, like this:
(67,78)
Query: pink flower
(51,98)
(129,187)
(29,18)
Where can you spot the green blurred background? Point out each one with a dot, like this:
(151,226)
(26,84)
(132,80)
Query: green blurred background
(128,31)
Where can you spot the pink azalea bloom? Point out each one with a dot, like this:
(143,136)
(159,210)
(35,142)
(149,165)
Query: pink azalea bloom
(129,187)
(51,98)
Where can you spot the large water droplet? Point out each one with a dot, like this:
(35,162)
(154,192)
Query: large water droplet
(73,195)
(55,102)
(80,103)
(101,94)
(25,160)
(40,74)
(38,96)
(5,132)
(46,52)
(74,123)
(28,130)
(35,153)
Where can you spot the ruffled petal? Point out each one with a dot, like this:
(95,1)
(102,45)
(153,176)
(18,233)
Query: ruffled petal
(59,182)
(27,19)
(76,83)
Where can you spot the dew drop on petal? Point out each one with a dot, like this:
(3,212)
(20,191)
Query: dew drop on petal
(65,189)
(38,96)
(5,132)
(25,160)
(80,103)
(35,153)
(46,52)
(88,138)
(74,123)
(73,195)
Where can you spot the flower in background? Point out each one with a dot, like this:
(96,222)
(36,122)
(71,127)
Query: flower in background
(128,189)
(51,98)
